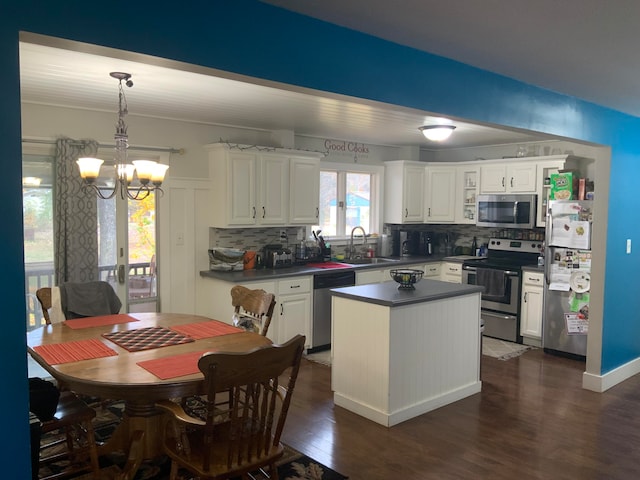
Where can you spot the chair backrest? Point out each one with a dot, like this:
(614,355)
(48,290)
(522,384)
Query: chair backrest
(44,297)
(255,420)
(88,299)
(257,304)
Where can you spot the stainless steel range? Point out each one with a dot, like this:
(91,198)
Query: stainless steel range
(500,273)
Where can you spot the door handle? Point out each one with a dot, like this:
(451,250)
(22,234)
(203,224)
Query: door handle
(121,274)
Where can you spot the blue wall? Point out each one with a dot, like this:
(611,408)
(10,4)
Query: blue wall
(251,38)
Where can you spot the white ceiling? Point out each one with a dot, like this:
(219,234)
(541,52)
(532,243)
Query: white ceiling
(565,46)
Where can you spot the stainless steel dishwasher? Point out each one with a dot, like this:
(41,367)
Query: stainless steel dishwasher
(322,283)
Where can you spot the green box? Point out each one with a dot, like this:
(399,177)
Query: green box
(562,186)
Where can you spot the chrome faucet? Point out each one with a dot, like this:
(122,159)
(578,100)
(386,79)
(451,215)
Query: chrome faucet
(364,240)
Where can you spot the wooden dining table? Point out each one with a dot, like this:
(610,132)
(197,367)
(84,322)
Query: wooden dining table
(120,376)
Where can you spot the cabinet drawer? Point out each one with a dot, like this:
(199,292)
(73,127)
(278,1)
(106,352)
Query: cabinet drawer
(294,285)
(452,269)
(532,278)
(432,270)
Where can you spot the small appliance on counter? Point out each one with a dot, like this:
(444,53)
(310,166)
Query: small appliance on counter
(276,256)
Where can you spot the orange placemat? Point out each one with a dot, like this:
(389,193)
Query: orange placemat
(89,322)
(212,328)
(174,366)
(74,351)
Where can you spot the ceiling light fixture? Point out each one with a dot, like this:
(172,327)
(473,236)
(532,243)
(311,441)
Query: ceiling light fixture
(437,133)
(135,181)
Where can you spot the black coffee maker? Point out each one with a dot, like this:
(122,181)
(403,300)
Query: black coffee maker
(426,243)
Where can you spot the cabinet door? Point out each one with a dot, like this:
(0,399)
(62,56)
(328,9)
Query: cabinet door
(440,195)
(304,199)
(295,317)
(532,295)
(492,179)
(242,189)
(412,194)
(273,190)
(521,178)
(451,272)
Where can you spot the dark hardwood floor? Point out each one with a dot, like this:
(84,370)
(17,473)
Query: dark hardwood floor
(532,420)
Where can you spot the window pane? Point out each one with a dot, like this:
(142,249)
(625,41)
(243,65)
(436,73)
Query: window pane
(37,210)
(358,202)
(329,206)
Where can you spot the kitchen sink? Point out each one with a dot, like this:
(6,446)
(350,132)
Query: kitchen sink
(369,261)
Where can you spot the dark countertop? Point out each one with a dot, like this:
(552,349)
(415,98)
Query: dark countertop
(387,293)
(277,273)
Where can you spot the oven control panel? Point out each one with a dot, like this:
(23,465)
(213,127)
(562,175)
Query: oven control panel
(508,245)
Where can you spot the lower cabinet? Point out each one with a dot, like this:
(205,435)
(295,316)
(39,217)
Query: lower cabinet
(531,310)
(293,309)
(292,314)
(451,272)
(432,270)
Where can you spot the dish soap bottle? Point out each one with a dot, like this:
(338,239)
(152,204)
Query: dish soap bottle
(474,247)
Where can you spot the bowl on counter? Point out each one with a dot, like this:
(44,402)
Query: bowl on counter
(406,277)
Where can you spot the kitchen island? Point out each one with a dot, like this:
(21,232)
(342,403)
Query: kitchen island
(397,354)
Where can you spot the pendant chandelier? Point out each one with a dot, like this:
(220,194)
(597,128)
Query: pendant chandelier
(136,180)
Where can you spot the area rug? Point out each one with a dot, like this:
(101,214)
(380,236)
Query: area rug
(294,465)
(501,349)
(324,357)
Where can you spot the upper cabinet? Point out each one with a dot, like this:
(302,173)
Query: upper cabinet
(467,183)
(404,183)
(254,188)
(440,195)
(304,203)
(508,178)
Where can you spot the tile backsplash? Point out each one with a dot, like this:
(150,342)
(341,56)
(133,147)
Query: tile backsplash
(253,238)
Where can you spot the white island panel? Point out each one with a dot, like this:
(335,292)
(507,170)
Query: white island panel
(394,363)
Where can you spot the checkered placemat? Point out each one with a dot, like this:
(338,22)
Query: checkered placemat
(147,338)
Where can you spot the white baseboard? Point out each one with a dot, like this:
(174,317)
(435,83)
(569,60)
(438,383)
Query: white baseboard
(602,383)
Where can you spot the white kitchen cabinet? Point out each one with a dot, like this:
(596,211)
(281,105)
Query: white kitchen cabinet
(440,195)
(404,184)
(531,310)
(304,198)
(432,270)
(256,188)
(467,181)
(451,272)
(294,309)
(366,277)
(513,177)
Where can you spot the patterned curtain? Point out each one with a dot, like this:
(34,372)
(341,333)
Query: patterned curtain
(75,214)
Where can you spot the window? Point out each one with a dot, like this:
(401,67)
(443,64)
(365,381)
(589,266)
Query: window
(348,198)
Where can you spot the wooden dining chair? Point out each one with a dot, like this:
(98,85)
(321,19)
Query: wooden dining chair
(245,436)
(44,298)
(73,419)
(254,308)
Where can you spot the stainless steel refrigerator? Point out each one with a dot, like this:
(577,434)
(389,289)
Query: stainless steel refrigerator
(565,321)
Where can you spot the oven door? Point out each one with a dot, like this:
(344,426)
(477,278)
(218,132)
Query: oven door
(506,304)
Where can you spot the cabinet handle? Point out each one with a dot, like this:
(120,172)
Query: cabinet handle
(264,212)
(429,212)
(294,286)
(512,181)
(317,212)
(406,212)
(503,181)
(281,309)
(254,212)
(525,296)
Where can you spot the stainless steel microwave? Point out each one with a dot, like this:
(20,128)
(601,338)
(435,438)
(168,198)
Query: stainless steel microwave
(506,210)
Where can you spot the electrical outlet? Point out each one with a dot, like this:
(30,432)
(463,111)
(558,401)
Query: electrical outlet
(283,234)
